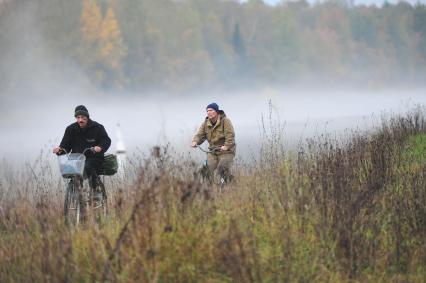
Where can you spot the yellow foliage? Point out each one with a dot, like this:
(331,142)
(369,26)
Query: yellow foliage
(111,43)
(91,20)
(104,45)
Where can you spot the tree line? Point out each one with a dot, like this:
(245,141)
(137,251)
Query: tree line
(191,44)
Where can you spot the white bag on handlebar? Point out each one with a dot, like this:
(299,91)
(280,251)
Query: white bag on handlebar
(71,164)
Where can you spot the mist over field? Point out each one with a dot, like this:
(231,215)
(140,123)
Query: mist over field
(31,125)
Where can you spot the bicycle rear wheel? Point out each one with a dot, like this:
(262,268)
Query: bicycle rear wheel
(104,200)
(98,201)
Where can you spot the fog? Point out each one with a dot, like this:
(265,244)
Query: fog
(30,125)
(39,94)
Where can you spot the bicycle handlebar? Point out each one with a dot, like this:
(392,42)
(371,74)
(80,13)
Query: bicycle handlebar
(211,151)
(63,151)
(91,149)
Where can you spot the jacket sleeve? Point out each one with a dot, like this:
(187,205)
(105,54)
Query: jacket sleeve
(229,133)
(66,140)
(104,140)
(201,135)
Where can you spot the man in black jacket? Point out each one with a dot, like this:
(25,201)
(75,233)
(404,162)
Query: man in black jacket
(86,133)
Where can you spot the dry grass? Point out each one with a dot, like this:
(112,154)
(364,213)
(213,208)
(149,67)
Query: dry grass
(349,210)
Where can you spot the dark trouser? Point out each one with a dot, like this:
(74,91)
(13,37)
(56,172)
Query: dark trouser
(92,168)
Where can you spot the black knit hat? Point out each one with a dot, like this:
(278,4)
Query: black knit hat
(213,106)
(81,110)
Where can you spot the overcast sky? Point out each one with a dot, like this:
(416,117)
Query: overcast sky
(366,2)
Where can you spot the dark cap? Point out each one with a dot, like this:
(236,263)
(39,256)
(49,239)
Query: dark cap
(213,106)
(81,110)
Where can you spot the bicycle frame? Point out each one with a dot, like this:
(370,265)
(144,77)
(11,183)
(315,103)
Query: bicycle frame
(214,150)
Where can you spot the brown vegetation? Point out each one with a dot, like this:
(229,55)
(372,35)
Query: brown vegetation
(344,210)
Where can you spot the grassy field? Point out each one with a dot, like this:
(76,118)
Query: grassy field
(335,210)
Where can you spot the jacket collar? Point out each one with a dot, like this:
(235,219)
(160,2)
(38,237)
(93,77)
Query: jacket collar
(219,120)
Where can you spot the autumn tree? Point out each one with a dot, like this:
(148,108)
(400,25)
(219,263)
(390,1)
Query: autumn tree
(111,49)
(104,49)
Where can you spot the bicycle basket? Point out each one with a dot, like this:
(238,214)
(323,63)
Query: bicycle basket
(110,164)
(71,164)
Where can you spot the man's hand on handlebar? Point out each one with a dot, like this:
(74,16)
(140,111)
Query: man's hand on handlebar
(58,151)
(194,145)
(92,150)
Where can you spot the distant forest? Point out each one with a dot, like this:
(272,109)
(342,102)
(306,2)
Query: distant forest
(195,44)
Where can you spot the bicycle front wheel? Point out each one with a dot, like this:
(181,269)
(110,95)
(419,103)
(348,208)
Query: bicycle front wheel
(73,204)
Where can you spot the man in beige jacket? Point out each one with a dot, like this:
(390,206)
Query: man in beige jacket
(217,129)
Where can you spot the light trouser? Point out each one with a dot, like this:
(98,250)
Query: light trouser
(220,165)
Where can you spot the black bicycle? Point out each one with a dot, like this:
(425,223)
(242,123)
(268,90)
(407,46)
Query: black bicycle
(81,200)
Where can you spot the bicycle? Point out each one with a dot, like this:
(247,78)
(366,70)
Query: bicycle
(78,199)
(205,171)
